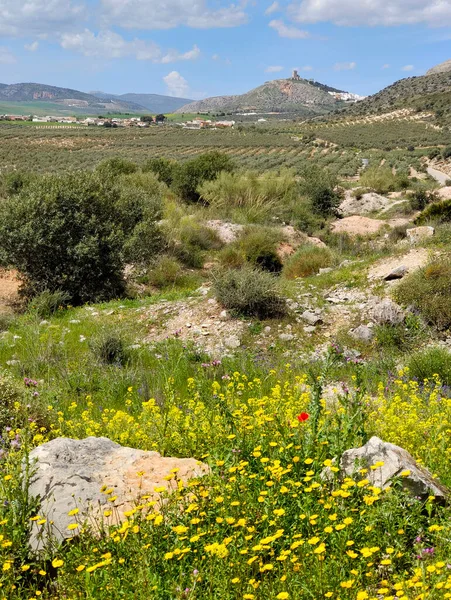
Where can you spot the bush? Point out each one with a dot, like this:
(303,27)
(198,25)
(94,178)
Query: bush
(189,176)
(249,292)
(320,187)
(114,167)
(10,393)
(434,153)
(307,260)
(232,257)
(427,363)
(110,349)
(166,272)
(439,212)
(60,235)
(398,233)
(421,198)
(48,303)
(162,167)
(12,183)
(428,290)
(446,152)
(382,180)
(259,246)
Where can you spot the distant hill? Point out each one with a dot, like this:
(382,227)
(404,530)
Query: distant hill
(280,95)
(68,100)
(428,92)
(443,67)
(154,103)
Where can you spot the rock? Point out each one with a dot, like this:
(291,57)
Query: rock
(387,312)
(415,234)
(367,203)
(286,337)
(397,273)
(309,329)
(232,342)
(311,318)
(362,333)
(69,474)
(325,270)
(397,462)
(227,232)
(224,315)
(316,242)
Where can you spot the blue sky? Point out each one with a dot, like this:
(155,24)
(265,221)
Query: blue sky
(200,48)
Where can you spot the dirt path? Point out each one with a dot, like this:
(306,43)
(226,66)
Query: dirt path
(439,176)
(8,290)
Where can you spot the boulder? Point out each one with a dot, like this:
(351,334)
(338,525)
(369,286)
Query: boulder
(226,232)
(362,333)
(366,204)
(387,312)
(397,273)
(311,318)
(395,462)
(69,474)
(415,234)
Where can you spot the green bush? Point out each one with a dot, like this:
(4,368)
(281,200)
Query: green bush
(439,212)
(48,303)
(232,257)
(308,260)
(432,361)
(162,167)
(249,292)
(166,272)
(446,152)
(110,349)
(189,176)
(13,182)
(60,235)
(428,290)
(422,198)
(382,180)
(434,153)
(320,187)
(10,393)
(259,246)
(114,167)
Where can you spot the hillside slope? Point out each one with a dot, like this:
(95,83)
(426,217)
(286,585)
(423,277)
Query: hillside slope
(154,103)
(280,95)
(443,67)
(75,100)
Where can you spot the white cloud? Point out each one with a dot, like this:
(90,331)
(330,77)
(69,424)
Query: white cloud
(25,17)
(306,68)
(166,14)
(386,66)
(345,66)
(288,31)
(32,47)
(215,57)
(176,84)
(408,68)
(6,56)
(275,7)
(174,55)
(371,12)
(108,44)
(274,69)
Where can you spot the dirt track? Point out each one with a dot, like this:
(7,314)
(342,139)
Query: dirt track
(9,286)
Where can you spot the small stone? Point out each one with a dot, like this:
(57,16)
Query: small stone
(397,273)
(74,321)
(232,342)
(12,362)
(286,337)
(311,318)
(44,322)
(267,329)
(362,333)
(309,329)
(325,270)
(224,315)
(188,325)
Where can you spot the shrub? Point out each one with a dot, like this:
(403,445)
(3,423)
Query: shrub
(446,152)
(189,176)
(439,212)
(382,180)
(434,153)
(259,246)
(428,290)
(432,361)
(320,187)
(10,393)
(232,257)
(114,167)
(307,260)
(162,167)
(12,183)
(166,272)
(48,303)
(421,198)
(60,235)
(249,292)
(305,219)
(110,349)
(398,233)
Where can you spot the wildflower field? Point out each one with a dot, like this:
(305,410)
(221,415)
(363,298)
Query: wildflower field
(267,522)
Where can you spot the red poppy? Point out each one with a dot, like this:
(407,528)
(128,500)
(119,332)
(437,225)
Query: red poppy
(303,417)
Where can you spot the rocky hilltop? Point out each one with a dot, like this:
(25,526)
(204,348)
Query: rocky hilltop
(280,95)
(443,67)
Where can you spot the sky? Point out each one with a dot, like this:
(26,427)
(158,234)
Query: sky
(201,48)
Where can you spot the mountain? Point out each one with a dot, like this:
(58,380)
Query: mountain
(280,95)
(443,67)
(154,103)
(66,99)
(428,92)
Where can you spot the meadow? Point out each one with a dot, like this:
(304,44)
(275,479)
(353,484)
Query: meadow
(99,344)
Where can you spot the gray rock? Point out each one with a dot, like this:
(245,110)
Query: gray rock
(311,318)
(362,333)
(69,474)
(415,234)
(397,462)
(387,312)
(232,342)
(325,270)
(309,329)
(397,273)
(286,337)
